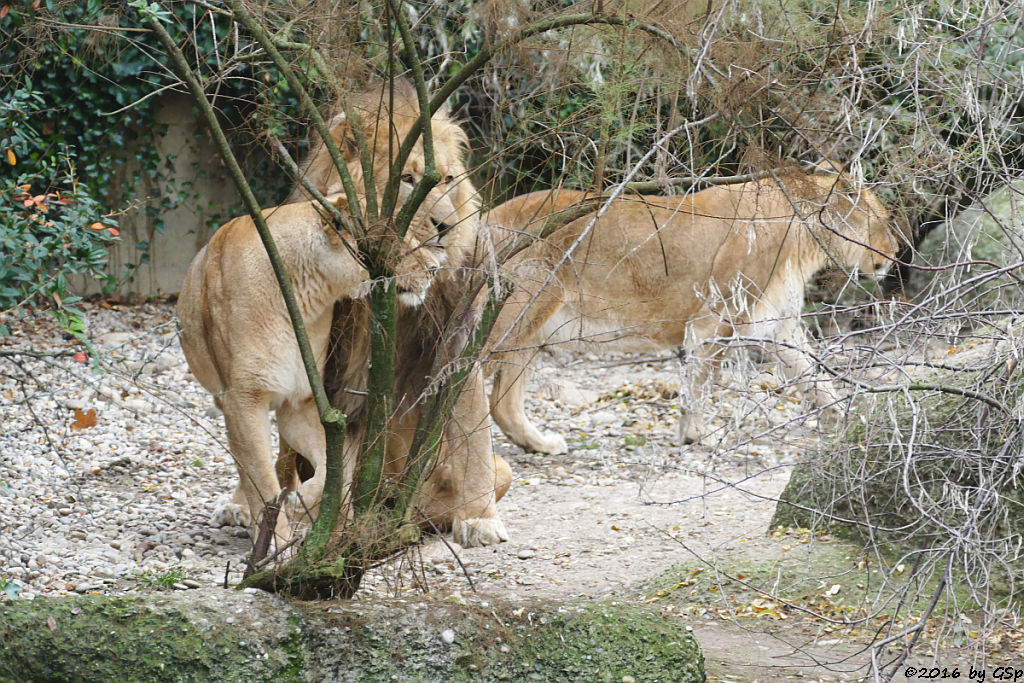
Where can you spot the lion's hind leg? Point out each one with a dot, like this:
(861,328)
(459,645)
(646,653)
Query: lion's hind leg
(299,425)
(508,395)
(248,424)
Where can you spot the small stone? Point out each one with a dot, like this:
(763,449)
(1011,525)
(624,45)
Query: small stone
(180,587)
(525,553)
(448,636)
(628,679)
(191,583)
(111,339)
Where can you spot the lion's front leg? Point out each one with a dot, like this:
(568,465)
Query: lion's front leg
(474,478)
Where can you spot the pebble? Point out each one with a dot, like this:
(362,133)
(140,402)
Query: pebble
(87,500)
(100,507)
(448,636)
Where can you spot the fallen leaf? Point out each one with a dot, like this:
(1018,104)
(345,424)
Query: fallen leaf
(84,420)
(4,10)
(35,5)
(97,226)
(11,159)
(51,624)
(114,231)
(81,357)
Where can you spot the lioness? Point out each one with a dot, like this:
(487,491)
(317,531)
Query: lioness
(462,490)
(666,272)
(240,345)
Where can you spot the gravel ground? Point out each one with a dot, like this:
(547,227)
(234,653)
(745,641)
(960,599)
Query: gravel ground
(108,474)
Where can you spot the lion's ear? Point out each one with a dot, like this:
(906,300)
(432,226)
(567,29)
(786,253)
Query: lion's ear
(340,203)
(344,138)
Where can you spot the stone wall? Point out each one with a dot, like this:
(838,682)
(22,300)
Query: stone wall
(207,193)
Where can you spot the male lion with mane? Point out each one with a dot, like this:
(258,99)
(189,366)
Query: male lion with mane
(669,272)
(237,335)
(467,480)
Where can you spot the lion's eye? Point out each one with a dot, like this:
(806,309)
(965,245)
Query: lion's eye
(449,179)
(407,178)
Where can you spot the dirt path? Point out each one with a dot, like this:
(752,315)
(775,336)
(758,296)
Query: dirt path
(120,500)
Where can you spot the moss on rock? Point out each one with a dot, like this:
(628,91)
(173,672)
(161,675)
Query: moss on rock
(213,635)
(601,642)
(934,466)
(991,230)
(195,636)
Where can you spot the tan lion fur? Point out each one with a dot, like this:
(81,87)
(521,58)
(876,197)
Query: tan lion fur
(670,272)
(240,345)
(462,490)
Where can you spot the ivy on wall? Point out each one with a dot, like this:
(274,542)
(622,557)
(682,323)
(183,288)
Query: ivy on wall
(81,85)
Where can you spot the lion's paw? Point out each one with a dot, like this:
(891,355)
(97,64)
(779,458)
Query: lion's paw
(553,444)
(479,531)
(231,514)
(297,509)
(692,429)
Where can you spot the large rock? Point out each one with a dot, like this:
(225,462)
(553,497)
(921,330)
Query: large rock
(990,230)
(934,465)
(220,635)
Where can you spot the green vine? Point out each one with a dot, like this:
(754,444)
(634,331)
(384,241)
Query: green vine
(78,117)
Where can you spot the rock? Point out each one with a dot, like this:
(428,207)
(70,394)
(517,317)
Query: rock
(605,417)
(947,446)
(114,339)
(566,392)
(525,554)
(992,229)
(438,552)
(211,634)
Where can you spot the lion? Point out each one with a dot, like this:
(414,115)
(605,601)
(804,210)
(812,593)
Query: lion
(237,336)
(462,490)
(239,343)
(678,271)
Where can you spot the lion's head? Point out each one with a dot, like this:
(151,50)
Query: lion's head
(450,211)
(861,230)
